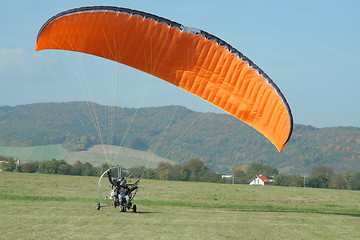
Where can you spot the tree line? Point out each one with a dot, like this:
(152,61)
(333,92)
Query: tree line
(53,166)
(322,176)
(195,170)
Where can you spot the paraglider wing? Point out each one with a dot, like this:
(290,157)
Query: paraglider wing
(191,59)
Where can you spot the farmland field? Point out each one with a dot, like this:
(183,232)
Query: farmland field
(95,155)
(37,206)
(35,153)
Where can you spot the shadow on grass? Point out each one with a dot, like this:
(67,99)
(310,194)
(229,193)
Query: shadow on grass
(145,212)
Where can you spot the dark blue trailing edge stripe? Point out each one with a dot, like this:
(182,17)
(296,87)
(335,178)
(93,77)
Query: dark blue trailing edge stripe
(180,27)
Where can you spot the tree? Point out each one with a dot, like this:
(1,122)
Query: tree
(355,181)
(281,180)
(263,169)
(240,175)
(77,168)
(197,169)
(63,168)
(338,182)
(320,181)
(89,170)
(210,176)
(30,167)
(320,176)
(137,171)
(162,170)
(175,173)
(7,164)
(48,167)
(296,181)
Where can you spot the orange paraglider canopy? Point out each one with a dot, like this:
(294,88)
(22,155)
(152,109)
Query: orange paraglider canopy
(191,59)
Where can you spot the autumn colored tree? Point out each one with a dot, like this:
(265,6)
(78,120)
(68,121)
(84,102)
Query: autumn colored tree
(338,182)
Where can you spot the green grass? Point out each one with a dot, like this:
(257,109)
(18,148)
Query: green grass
(63,207)
(36,153)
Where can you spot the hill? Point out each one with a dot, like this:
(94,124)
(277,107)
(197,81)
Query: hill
(178,134)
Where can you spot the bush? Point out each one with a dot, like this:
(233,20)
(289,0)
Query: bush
(30,167)
(7,164)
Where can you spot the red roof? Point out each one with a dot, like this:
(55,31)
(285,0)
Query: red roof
(262,178)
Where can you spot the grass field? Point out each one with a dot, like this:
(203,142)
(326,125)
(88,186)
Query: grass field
(36,206)
(35,153)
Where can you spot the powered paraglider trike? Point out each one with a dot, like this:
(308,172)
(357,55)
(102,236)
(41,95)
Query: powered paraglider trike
(109,192)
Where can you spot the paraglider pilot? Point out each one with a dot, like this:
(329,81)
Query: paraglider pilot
(120,188)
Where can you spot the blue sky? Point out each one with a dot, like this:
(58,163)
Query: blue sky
(309,48)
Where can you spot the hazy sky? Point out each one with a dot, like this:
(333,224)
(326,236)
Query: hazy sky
(311,50)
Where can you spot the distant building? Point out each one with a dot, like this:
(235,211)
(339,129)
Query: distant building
(226,176)
(259,180)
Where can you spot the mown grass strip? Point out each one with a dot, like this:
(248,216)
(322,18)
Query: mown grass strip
(45,198)
(254,208)
(206,205)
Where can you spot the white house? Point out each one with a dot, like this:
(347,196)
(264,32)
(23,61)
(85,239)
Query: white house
(226,176)
(259,180)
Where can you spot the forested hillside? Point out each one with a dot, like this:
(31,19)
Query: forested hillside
(177,133)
